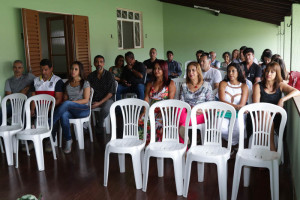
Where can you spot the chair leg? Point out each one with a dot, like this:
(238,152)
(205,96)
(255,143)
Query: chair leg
(1,146)
(236,179)
(222,179)
(8,149)
(121,157)
(39,153)
(136,163)
(271,181)
(275,180)
(160,166)
(53,148)
(200,168)
(146,170)
(247,171)
(177,161)
(79,133)
(107,124)
(17,153)
(27,148)
(90,130)
(142,160)
(187,175)
(94,118)
(60,136)
(106,166)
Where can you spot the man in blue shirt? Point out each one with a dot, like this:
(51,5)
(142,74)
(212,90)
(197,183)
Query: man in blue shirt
(174,68)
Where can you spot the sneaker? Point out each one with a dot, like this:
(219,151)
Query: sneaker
(68,146)
(48,147)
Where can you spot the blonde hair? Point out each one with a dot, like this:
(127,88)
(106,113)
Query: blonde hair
(198,69)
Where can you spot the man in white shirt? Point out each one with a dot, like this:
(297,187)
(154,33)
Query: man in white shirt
(211,75)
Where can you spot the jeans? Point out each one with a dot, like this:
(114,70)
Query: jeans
(139,89)
(69,110)
(8,112)
(104,111)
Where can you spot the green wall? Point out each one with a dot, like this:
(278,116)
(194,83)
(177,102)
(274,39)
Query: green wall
(187,30)
(295,61)
(102,22)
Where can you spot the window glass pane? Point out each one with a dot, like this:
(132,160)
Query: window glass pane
(124,14)
(130,15)
(137,34)
(119,34)
(118,13)
(136,16)
(57,28)
(127,35)
(60,64)
(58,46)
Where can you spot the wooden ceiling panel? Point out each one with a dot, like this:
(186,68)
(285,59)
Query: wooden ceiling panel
(270,11)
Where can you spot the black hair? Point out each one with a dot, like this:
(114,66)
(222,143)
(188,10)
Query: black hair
(129,54)
(18,61)
(98,56)
(171,52)
(227,52)
(45,62)
(199,51)
(164,67)
(248,50)
(81,74)
(117,60)
(205,54)
(281,63)
(243,48)
(267,54)
(241,77)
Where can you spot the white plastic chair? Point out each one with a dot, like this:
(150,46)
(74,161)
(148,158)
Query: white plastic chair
(259,155)
(106,122)
(178,82)
(43,104)
(7,132)
(169,147)
(130,143)
(78,126)
(211,150)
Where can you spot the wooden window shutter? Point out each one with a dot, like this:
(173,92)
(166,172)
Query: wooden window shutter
(32,40)
(82,42)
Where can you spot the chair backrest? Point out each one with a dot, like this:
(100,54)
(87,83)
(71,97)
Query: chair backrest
(178,82)
(262,116)
(131,109)
(170,112)
(17,101)
(91,100)
(214,113)
(116,90)
(185,67)
(43,104)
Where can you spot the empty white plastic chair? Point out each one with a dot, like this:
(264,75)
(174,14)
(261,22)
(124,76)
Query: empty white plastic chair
(7,132)
(169,147)
(43,105)
(106,122)
(78,126)
(211,150)
(259,155)
(178,82)
(130,143)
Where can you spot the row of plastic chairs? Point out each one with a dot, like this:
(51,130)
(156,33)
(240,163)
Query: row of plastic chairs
(211,150)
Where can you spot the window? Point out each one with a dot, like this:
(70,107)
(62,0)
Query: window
(129,29)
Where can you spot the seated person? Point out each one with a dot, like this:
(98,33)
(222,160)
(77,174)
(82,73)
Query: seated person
(159,89)
(210,75)
(18,83)
(284,72)
(193,92)
(76,102)
(118,68)
(149,63)
(265,58)
(198,55)
(270,90)
(104,85)
(214,62)
(227,60)
(235,56)
(50,84)
(132,77)
(233,90)
(252,70)
(174,68)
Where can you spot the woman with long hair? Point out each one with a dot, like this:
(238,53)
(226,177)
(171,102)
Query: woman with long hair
(235,56)
(270,90)
(75,105)
(159,89)
(193,92)
(227,60)
(118,68)
(233,91)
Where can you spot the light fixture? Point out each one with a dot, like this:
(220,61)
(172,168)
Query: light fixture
(217,12)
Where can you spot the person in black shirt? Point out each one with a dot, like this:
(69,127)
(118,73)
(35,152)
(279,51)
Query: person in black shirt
(253,72)
(103,83)
(132,77)
(150,63)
